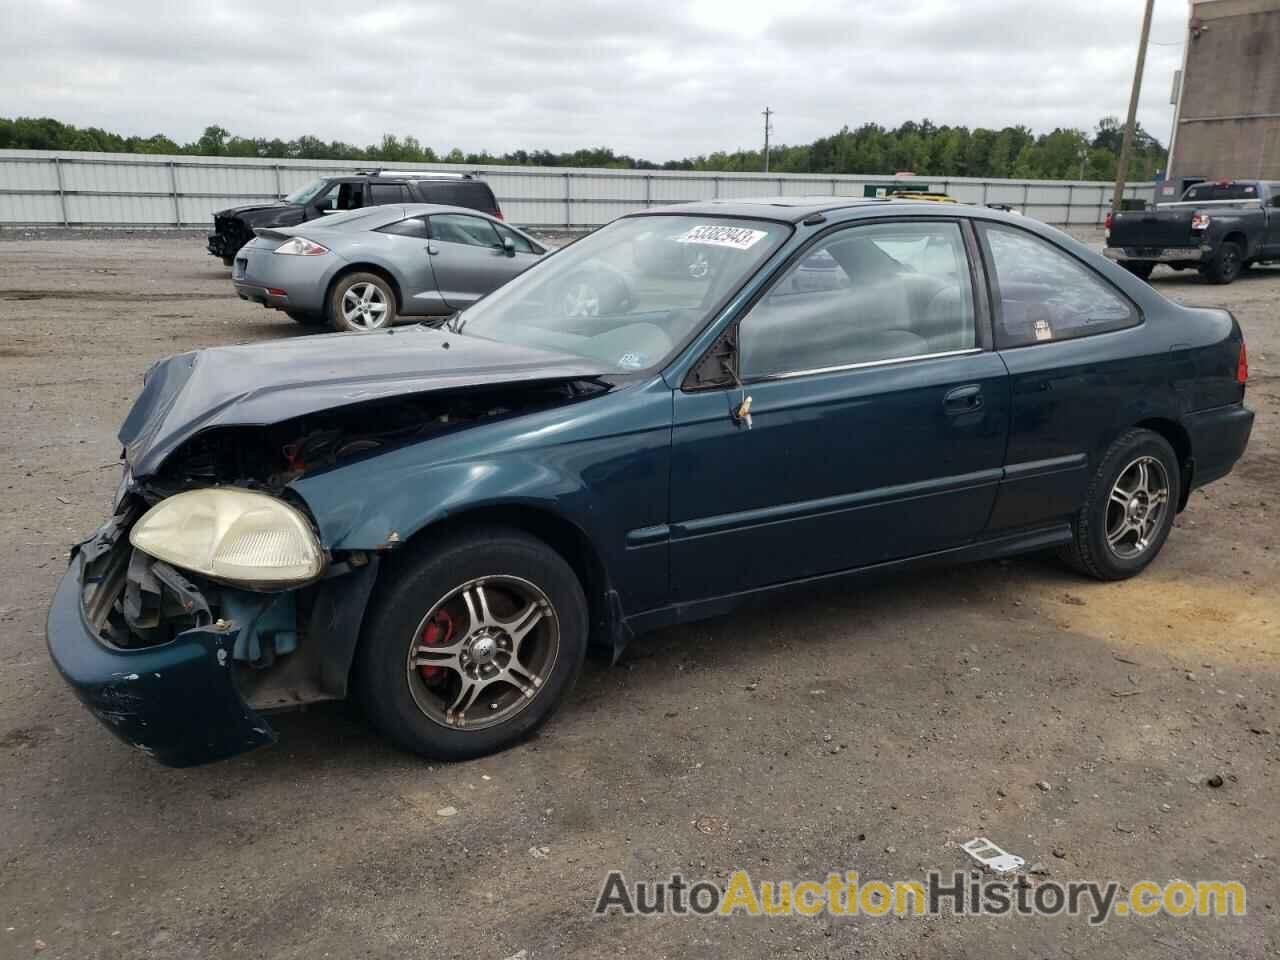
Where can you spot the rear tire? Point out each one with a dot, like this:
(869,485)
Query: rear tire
(1225,265)
(1129,509)
(456,596)
(1139,269)
(229,261)
(361,302)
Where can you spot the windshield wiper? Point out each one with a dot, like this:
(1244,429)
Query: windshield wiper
(438,323)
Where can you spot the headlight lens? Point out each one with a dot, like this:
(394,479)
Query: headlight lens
(301,247)
(231,534)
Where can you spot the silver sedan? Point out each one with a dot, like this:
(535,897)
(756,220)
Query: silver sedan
(363,269)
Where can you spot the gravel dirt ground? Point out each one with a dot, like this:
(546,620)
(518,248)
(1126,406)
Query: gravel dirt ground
(871,730)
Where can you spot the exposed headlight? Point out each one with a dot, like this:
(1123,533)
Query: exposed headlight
(301,247)
(231,534)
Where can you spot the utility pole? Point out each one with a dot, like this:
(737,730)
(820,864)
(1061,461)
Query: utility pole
(767,114)
(1126,146)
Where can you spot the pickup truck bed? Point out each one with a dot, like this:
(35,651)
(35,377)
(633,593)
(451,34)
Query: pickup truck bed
(1219,228)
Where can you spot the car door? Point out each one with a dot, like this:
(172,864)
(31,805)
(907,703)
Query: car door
(468,258)
(406,247)
(1067,381)
(877,419)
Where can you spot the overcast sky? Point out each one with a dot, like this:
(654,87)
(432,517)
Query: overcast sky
(660,79)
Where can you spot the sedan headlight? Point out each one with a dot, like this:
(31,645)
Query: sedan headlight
(301,247)
(230,534)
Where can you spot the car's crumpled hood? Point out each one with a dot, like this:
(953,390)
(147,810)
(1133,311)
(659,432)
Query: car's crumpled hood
(263,383)
(265,214)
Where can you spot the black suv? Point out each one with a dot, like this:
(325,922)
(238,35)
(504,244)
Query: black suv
(233,227)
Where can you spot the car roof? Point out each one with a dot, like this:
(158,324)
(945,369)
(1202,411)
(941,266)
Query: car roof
(379,215)
(797,209)
(418,209)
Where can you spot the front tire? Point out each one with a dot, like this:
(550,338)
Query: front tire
(360,302)
(472,644)
(1225,265)
(1129,509)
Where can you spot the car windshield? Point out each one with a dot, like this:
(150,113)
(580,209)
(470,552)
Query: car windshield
(305,195)
(630,293)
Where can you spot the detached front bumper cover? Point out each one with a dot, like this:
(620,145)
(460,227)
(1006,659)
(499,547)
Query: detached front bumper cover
(176,701)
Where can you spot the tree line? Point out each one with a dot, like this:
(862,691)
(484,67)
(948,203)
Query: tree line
(922,148)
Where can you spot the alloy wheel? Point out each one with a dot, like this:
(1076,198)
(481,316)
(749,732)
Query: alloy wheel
(364,306)
(1136,507)
(483,652)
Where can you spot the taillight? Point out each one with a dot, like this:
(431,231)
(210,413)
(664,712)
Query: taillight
(497,215)
(1106,222)
(1242,366)
(1199,221)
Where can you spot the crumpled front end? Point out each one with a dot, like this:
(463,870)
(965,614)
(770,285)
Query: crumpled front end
(140,647)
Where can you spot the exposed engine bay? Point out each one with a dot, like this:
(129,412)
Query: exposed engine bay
(271,457)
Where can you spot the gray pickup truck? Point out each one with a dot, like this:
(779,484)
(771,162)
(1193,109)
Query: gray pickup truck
(1219,227)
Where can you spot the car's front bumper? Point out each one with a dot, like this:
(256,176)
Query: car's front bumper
(1156,254)
(218,245)
(176,702)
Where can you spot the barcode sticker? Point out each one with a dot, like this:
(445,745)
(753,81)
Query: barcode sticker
(736,238)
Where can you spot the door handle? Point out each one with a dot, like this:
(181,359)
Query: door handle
(432,249)
(964,399)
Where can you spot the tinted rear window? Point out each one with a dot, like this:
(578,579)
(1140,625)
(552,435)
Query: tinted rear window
(1222,191)
(461,193)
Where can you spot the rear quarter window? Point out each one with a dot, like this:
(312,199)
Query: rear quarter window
(1042,293)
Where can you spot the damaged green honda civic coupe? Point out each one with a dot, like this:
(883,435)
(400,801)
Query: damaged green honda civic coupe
(690,406)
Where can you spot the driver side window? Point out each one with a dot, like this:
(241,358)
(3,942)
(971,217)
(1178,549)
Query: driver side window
(885,291)
(460,228)
(342,196)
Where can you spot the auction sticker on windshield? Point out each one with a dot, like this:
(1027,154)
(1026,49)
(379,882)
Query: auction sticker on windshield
(736,238)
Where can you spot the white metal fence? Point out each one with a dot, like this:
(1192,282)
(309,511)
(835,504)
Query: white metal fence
(39,188)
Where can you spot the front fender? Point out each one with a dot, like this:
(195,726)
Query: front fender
(380,503)
(600,465)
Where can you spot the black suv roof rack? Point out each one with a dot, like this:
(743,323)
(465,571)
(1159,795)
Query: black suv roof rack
(413,174)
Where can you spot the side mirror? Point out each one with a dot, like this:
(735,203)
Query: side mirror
(508,246)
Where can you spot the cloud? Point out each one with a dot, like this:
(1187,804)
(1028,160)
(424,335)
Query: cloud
(661,79)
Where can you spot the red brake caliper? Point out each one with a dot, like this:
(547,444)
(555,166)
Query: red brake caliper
(437,633)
